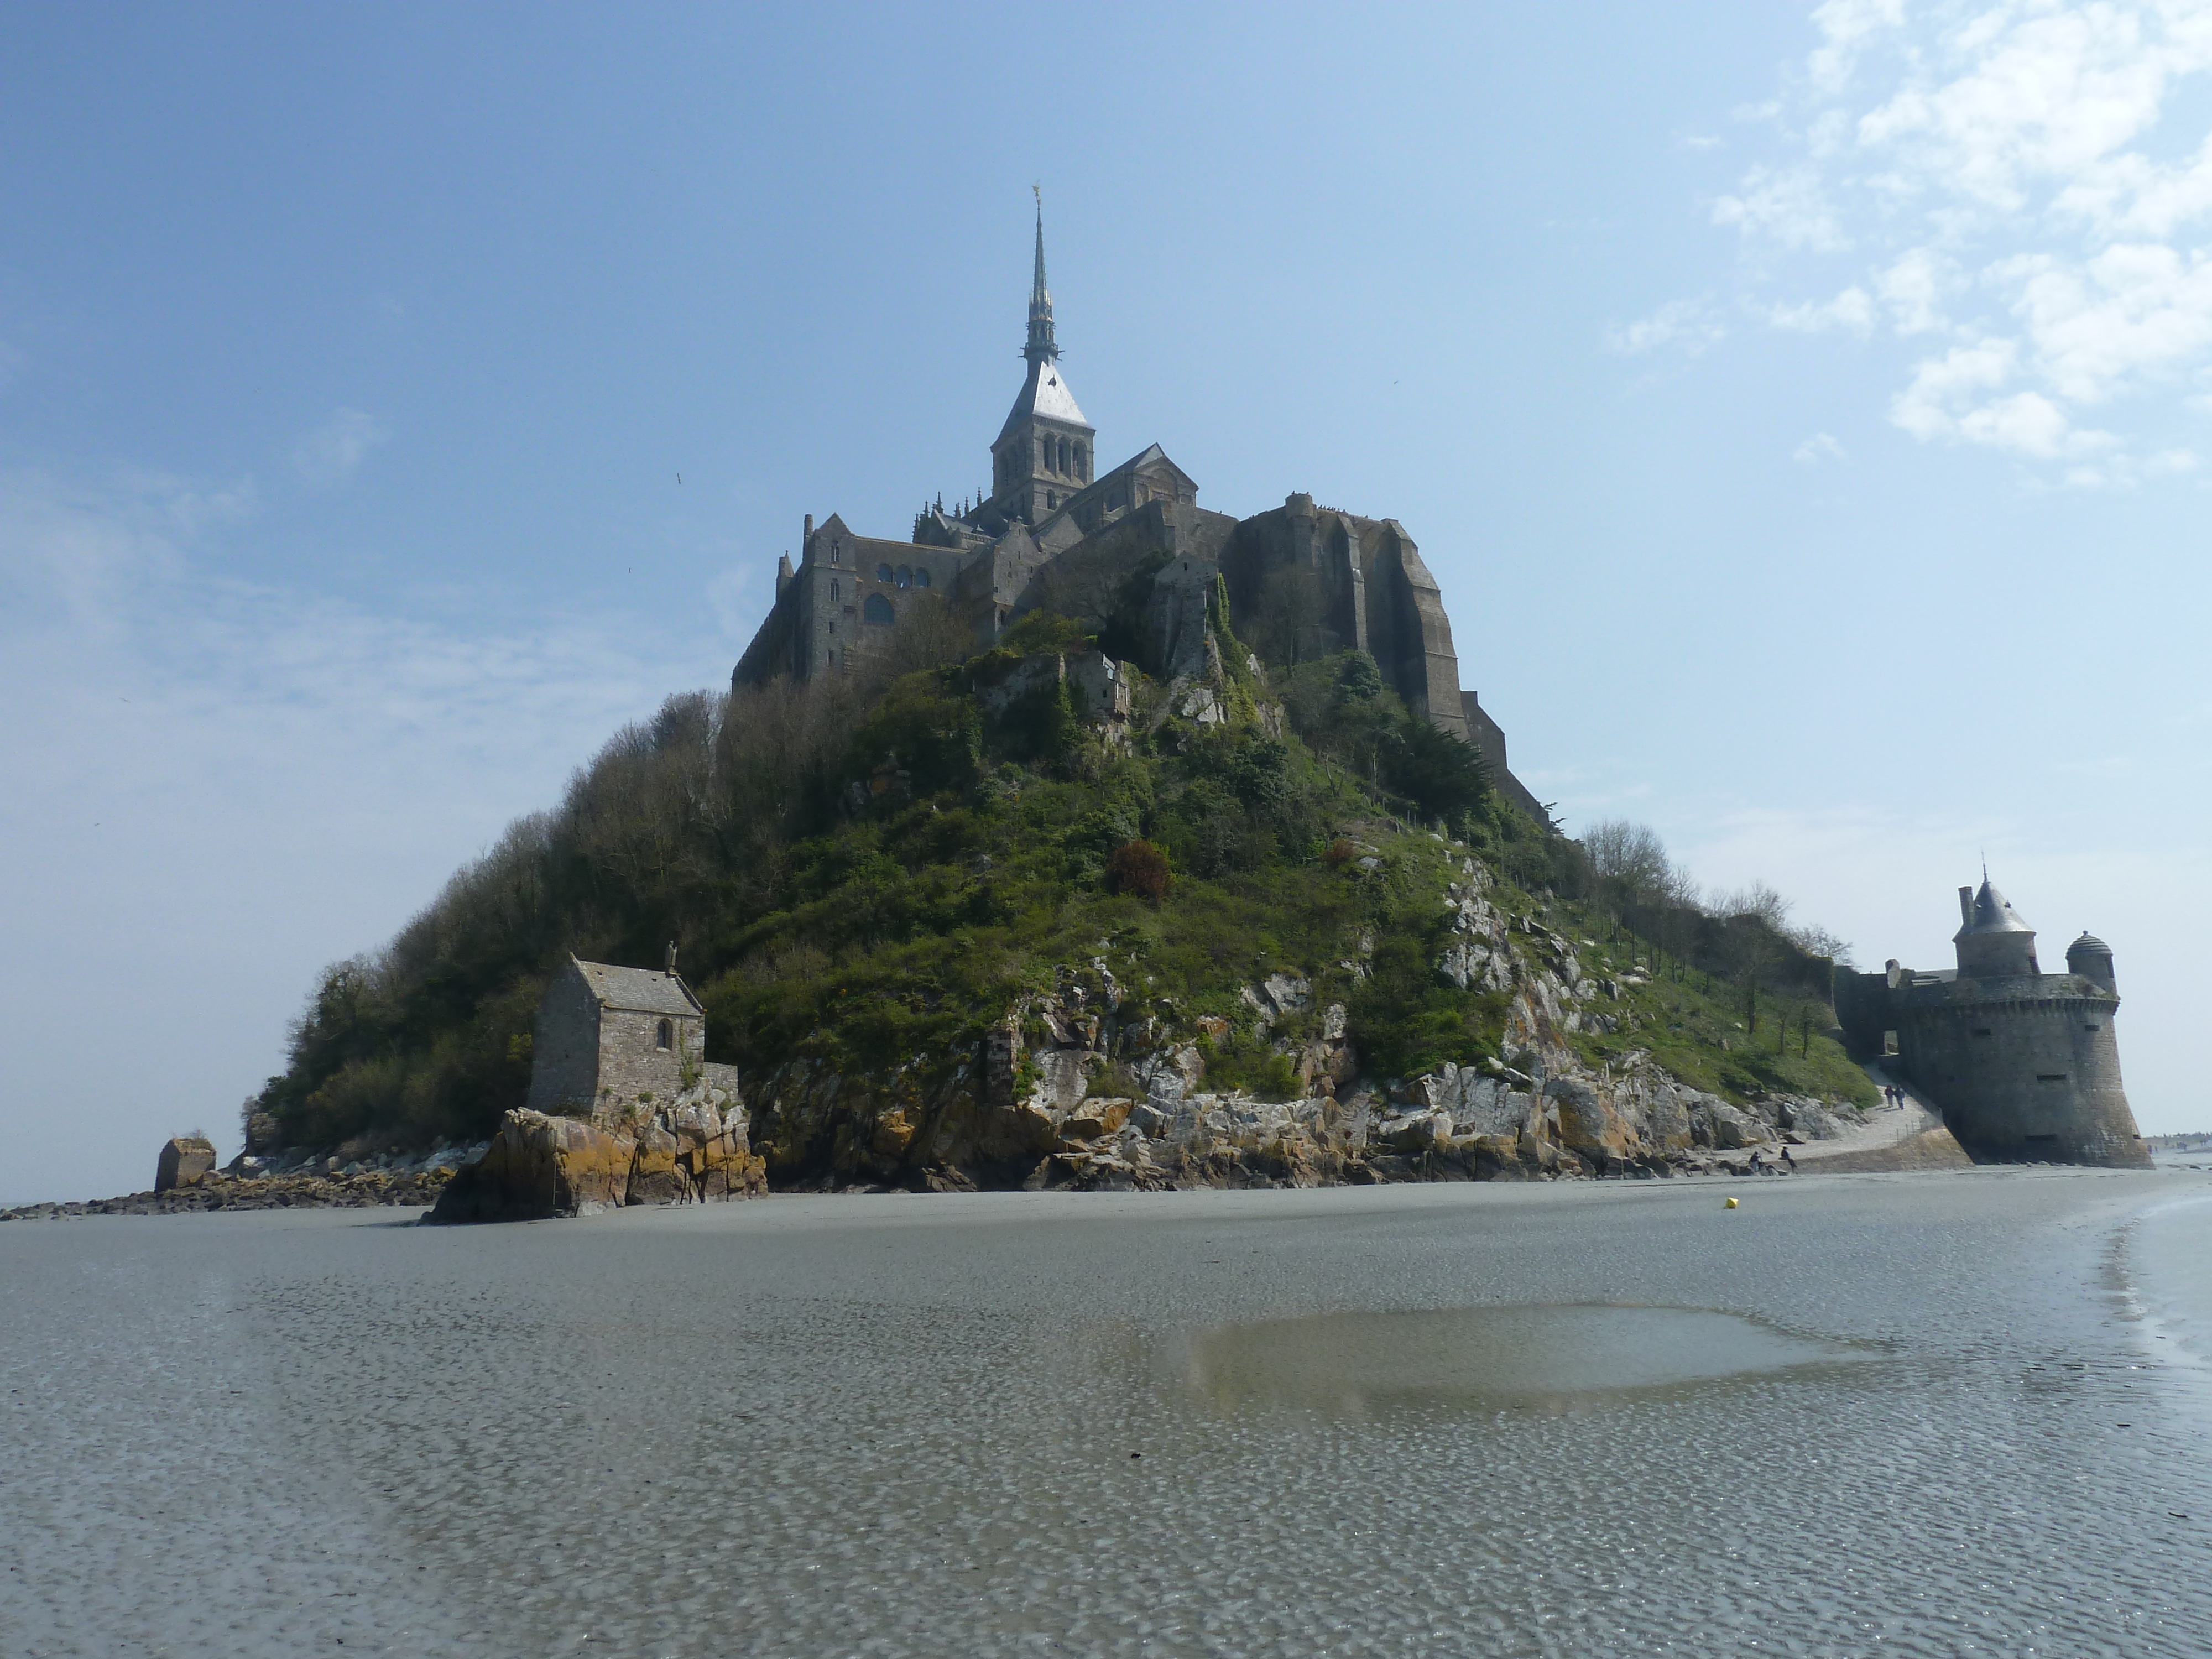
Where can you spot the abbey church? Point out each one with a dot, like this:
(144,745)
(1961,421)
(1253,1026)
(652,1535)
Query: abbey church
(1130,551)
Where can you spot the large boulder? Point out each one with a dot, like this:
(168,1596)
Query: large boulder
(539,1166)
(183,1162)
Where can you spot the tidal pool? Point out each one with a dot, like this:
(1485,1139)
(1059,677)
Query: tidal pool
(1540,1357)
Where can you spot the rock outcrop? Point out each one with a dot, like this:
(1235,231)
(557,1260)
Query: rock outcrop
(695,1149)
(182,1163)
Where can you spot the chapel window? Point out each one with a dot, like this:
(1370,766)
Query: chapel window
(665,1036)
(921,577)
(883,572)
(835,555)
(906,575)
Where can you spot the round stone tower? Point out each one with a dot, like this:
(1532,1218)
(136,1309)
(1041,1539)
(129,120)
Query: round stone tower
(2091,959)
(2024,1064)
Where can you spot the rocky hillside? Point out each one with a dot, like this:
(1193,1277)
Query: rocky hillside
(1032,918)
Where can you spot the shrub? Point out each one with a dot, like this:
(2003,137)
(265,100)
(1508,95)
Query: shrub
(1139,868)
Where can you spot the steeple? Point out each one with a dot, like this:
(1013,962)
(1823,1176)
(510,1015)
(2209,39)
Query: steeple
(1042,454)
(1041,347)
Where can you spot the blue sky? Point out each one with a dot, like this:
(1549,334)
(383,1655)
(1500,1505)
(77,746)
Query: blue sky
(1807,412)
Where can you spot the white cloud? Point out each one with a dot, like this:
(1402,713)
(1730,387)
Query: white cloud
(1846,27)
(2030,179)
(1821,446)
(1915,286)
(1956,395)
(1692,325)
(331,453)
(1788,206)
(1852,309)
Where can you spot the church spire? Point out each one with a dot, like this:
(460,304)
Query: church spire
(1041,348)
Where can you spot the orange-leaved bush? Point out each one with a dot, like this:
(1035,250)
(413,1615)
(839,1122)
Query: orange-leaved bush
(1139,867)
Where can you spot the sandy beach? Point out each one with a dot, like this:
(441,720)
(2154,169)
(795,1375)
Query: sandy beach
(1924,1414)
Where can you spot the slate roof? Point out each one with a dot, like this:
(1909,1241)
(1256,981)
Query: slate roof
(638,990)
(1993,914)
(1044,393)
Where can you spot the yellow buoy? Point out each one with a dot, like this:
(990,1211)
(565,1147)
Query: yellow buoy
(1731,1204)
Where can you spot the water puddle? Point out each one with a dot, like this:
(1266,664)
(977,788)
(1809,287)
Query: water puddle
(1539,1358)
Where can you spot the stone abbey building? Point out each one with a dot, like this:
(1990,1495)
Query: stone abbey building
(1129,550)
(2023,1064)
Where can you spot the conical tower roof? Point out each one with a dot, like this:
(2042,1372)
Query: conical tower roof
(1992,913)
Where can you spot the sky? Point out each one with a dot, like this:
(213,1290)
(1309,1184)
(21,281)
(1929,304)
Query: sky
(1805,410)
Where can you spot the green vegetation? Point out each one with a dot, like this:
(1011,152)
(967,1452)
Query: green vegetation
(871,874)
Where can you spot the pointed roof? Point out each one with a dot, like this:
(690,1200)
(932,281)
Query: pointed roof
(1992,913)
(1044,395)
(1041,348)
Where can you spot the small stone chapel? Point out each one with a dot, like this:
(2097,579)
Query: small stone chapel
(607,1038)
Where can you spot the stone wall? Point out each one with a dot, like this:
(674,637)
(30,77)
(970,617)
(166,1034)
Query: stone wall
(1374,593)
(632,1064)
(564,1045)
(2023,1070)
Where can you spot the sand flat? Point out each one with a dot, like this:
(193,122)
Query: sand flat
(970,1425)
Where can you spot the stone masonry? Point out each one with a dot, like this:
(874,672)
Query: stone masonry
(1128,550)
(2023,1065)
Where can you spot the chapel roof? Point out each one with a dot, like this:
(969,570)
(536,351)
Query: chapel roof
(637,990)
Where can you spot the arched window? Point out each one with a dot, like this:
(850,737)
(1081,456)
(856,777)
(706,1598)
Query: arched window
(921,577)
(833,589)
(906,575)
(883,572)
(878,611)
(836,557)
(1082,463)
(1066,456)
(665,1037)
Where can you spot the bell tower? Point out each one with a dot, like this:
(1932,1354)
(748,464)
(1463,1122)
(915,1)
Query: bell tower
(1044,454)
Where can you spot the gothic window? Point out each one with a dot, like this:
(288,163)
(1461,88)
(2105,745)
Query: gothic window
(878,611)
(665,1036)
(921,577)
(836,557)
(883,572)
(906,575)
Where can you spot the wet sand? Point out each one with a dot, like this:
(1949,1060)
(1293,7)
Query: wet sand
(1924,1414)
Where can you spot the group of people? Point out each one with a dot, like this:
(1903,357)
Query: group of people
(1894,1094)
(1758,1166)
